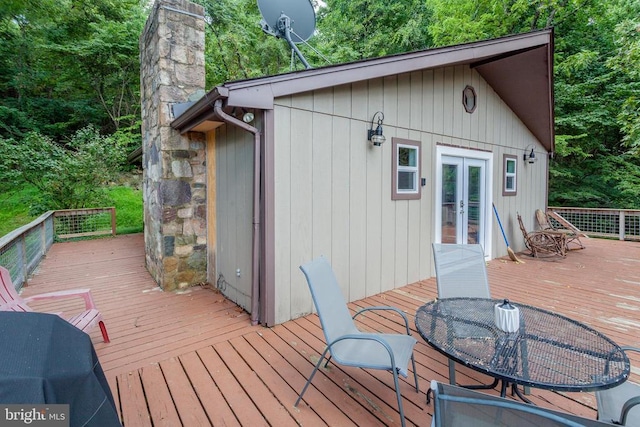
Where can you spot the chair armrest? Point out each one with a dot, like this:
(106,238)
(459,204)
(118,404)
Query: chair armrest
(634,401)
(388,308)
(85,294)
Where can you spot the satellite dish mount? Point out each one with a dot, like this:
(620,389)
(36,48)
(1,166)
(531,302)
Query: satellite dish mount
(279,18)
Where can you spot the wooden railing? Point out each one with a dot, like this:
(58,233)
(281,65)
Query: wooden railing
(623,224)
(23,248)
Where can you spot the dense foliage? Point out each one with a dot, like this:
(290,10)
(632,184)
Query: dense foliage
(68,176)
(68,64)
(65,64)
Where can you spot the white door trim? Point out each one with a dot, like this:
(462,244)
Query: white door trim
(443,150)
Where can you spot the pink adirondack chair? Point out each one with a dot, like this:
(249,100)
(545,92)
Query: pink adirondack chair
(85,321)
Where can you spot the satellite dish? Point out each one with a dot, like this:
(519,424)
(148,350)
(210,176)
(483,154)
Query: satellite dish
(292,20)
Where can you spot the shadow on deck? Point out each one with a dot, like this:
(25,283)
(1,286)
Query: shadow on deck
(192,358)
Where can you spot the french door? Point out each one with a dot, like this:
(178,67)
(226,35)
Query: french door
(463,200)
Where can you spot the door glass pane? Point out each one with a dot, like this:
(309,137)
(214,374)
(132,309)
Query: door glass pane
(474,221)
(449,193)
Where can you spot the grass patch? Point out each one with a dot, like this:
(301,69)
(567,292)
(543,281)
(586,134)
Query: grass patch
(129,209)
(14,208)
(15,205)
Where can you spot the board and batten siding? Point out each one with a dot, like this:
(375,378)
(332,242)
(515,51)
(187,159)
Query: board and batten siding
(234,209)
(332,192)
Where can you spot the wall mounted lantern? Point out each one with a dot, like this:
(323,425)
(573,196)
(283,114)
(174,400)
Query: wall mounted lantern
(375,136)
(529,156)
(247,117)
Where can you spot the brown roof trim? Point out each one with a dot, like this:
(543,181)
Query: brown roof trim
(262,90)
(489,57)
(200,111)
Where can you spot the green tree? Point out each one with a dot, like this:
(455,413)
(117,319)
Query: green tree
(236,47)
(626,61)
(593,167)
(69,63)
(596,102)
(67,176)
(350,30)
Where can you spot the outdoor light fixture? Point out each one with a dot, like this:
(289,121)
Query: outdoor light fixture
(375,136)
(529,157)
(247,117)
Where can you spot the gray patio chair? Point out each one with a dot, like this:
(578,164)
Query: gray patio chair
(621,404)
(459,407)
(461,271)
(346,343)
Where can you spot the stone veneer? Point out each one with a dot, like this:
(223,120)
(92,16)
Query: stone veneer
(174,181)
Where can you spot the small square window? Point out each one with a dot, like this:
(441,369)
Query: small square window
(510,164)
(406,169)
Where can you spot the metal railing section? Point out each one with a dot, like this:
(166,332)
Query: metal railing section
(23,248)
(74,223)
(623,224)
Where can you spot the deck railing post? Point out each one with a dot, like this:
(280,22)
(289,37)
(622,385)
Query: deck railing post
(113,221)
(43,239)
(22,256)
(621,230)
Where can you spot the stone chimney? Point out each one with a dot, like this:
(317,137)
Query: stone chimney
(172,71)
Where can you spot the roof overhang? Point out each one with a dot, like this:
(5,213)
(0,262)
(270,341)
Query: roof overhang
(519,68)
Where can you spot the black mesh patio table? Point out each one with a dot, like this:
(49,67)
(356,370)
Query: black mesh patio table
(548,351)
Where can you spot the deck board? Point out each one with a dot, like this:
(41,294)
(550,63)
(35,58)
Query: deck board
(187,402)
(233,393)
(213,403)
(192,357)
(132,401)
(161,403)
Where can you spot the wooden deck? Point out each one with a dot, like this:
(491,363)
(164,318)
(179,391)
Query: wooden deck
(192,358)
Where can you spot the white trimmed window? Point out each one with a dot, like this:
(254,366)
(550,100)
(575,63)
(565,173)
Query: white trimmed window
(406,169)
(510,163)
